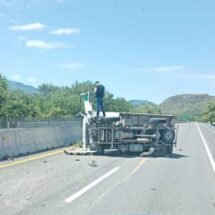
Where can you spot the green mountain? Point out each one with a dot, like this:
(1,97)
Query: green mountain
(144,106)
(137,102)
(19,86)
(186,106)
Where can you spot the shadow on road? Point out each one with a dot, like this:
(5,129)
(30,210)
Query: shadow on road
(178,156)
(134,155)
(126,155)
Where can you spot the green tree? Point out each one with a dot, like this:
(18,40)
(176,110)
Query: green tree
(47,89)
(3,95)
(20,104)
(146,108)
(116,105)
(54,101)
(78,88)
(210,112)
(63,103)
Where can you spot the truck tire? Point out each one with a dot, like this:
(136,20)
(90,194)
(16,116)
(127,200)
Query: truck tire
(167,136)
(169,150)
(157,120)
(164,149)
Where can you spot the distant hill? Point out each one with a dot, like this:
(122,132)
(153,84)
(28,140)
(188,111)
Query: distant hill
(187,105)
(136,102)
(19,86)
(144,106)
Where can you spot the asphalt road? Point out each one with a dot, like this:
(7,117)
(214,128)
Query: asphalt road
(104,185)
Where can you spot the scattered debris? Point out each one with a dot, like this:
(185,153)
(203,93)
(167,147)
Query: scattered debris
(93,164)
(80,151)
(28,199)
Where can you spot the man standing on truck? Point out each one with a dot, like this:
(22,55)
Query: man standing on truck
(99,93)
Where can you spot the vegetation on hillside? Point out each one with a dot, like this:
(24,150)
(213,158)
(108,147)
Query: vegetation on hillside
(210,112)
(189,107)
(54,101)
(147,108)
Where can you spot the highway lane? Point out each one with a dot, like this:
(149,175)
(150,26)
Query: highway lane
(123,185)
(209,134)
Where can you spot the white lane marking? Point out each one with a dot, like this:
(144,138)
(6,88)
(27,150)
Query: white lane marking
(209,127)
(206,148)
(90,186)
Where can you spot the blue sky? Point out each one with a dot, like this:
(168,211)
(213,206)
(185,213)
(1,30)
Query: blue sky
(139,49)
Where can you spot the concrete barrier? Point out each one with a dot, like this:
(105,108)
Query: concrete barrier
(23,141)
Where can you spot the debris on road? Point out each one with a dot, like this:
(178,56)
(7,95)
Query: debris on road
(93,164)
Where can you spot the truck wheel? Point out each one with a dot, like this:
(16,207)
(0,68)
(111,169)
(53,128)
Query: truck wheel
(169,150)
(167,135)
(164,149)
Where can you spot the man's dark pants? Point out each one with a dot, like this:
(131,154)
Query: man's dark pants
(100,106)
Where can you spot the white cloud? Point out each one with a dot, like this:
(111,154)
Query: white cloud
(31,80)
(16,77)
(65,31)
(168,68)
(76,65)
(43,45)
(27,27)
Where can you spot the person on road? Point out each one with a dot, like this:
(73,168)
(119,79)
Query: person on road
(99,94)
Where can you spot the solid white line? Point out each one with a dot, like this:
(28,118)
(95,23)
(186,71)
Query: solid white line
(209,127)
(206,148)
(90,186)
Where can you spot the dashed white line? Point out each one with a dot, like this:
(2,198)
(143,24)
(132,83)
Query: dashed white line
(206,148)
(90,186)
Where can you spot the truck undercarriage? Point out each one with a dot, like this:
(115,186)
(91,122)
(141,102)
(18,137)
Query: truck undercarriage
(146,134)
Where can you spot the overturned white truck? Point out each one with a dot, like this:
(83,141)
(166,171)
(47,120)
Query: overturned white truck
(146,134)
